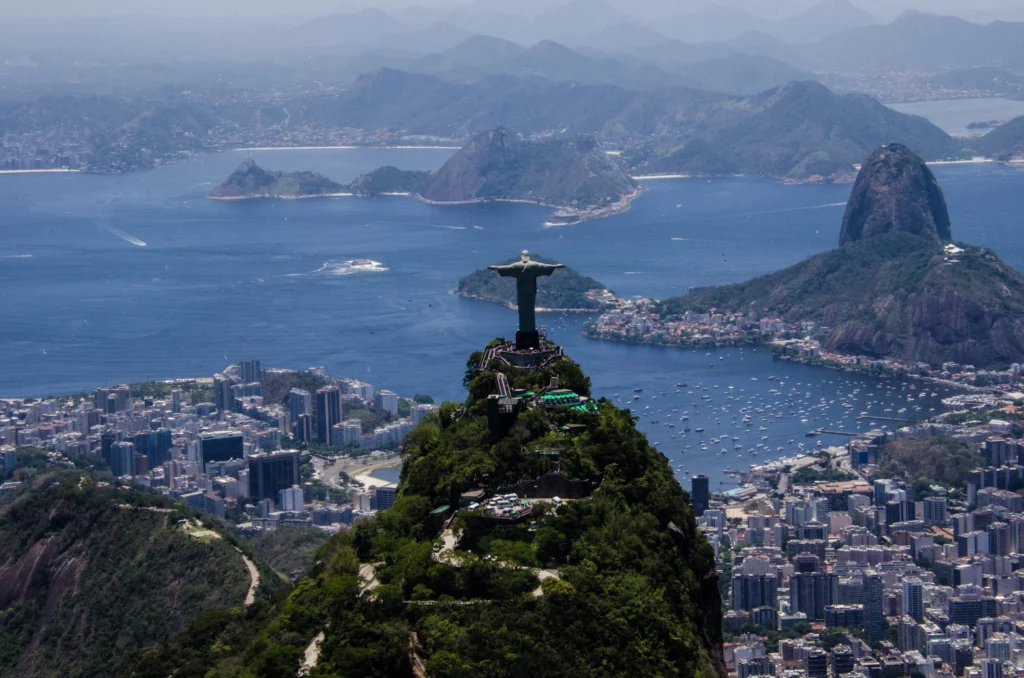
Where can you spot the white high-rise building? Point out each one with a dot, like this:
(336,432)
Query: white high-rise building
(386,401)
(291,500)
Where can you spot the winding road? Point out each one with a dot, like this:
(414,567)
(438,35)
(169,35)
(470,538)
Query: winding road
(254,579)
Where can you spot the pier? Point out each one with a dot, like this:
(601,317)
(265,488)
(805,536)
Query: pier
(901,421)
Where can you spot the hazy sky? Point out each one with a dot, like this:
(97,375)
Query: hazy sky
(206,8)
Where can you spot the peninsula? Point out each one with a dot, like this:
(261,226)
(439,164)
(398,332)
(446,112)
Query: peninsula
(896,289)
(565,290)
(572,175)
(252,181)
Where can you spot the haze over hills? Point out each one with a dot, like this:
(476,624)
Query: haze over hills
(1005,142)
(798,131)
(919,41)
(891,291)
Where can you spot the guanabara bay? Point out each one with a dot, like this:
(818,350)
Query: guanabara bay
(512,339)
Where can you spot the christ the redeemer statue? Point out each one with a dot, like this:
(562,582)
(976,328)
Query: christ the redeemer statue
(526,273)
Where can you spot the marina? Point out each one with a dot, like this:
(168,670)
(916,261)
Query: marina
(733,422)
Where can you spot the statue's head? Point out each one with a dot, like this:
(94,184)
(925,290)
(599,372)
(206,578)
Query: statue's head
(525,256)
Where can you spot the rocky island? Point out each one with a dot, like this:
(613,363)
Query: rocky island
(896,288)
(573,175)
(252,181)
(564,290)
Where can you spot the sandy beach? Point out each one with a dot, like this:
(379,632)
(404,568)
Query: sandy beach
(281,197)
(652,177)
(342,148)
(41,171)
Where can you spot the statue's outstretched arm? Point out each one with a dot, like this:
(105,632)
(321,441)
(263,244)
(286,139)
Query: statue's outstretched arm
(506,271)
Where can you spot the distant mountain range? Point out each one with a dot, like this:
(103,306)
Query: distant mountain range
(799,131)
(832,35)
(1005,142)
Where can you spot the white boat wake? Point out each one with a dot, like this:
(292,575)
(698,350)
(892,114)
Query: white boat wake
(124,236)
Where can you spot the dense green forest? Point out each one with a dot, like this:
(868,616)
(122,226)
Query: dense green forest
(565,288)
(924,461)
(635,587)
(288,548)
(91,574)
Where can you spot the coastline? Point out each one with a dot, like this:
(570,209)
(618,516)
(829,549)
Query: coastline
(655,177)
(779,355)
(41,171)
(267,196)
(621,205)
(243,149)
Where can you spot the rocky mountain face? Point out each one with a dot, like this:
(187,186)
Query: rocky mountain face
(252,181)
(800,130)
(500,165)
(892,290)
(895,192)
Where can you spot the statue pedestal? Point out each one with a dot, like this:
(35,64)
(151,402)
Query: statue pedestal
(528,341)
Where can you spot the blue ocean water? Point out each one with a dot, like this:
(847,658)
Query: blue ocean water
(83,303)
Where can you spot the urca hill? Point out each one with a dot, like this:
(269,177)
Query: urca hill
(896,287)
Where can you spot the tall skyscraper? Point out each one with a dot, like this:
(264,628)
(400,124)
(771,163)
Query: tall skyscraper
(250,371)
(299,402)
(220,446)
(302,429)
(121,459)
(699,494)
(999,539)
(271,473)
(935,510)
(808,592)
(386,401)
(385,498)
(874,617)
(176,401)
(913,598)
(222,396)
(328,412)
(291,500)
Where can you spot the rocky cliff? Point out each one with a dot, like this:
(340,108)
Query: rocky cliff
(895,192)
(892,290)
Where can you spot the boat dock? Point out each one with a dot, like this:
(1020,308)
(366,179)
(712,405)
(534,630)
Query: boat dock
(901,421)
